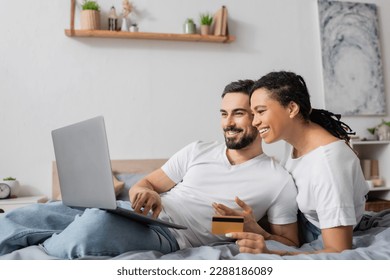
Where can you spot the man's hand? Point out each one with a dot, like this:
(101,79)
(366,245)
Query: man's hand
(143,200)
(145,194)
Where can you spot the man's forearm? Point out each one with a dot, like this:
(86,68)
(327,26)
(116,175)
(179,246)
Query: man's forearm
(139,187)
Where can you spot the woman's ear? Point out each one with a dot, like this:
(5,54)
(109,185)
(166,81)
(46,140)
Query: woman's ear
(293,109)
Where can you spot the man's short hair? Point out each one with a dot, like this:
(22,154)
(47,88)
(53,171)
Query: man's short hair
(243,86)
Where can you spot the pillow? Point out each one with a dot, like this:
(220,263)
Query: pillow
(129,179)
(118,185)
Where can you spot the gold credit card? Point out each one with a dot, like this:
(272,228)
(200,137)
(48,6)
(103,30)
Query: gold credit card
(226,224)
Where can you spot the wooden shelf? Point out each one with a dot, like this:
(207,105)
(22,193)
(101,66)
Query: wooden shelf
(380,151)
(369,142)
(378,189)
(149,36)
(72,32)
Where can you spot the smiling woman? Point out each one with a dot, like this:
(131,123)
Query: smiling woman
(327,173)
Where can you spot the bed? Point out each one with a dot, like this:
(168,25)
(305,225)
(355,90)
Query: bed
(371,242)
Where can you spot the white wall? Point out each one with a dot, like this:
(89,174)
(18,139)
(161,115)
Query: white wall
(156,96)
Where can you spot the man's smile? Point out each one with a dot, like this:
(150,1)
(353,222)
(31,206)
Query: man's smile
(232,132)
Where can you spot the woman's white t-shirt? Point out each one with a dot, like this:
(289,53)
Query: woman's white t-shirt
(331,185)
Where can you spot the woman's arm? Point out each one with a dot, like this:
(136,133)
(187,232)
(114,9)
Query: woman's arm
(335,240)
(286,234)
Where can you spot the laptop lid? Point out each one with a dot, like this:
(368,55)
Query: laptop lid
(84,166)
(84,170)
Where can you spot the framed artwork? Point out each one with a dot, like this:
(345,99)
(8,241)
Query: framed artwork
(351,58)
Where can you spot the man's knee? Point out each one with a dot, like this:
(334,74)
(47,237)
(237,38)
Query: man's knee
(92,233)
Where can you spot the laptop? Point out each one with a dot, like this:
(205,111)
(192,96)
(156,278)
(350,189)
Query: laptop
(84,170)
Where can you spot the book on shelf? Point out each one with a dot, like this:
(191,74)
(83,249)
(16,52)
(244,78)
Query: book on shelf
(370,168)
(220,20)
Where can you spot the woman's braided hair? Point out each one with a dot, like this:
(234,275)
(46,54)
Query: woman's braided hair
(286,87)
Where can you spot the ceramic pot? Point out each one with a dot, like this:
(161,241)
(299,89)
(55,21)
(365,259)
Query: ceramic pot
(189,28)
(90,20)
(133,28)
(205,29)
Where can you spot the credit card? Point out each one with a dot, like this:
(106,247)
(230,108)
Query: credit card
(226,224)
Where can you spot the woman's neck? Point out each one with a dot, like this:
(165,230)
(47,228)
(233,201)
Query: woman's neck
(308,137)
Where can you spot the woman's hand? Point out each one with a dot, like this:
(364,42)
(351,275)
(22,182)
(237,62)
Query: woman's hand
(249,242)
(250,223)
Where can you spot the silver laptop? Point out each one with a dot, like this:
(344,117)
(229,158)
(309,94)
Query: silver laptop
(84,170)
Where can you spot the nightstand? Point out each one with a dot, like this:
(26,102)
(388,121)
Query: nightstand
(12,203)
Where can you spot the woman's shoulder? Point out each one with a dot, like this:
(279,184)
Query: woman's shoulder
(339,153)
(338,146)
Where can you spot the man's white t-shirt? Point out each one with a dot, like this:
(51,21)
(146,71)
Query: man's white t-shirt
(204,175)
(331,185)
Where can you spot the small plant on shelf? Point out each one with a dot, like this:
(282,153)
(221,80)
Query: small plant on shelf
(205,23)
(381,131)
(189,21)
(90,5)
(90,15)
(206,19)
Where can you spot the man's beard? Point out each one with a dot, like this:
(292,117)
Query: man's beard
(242,142)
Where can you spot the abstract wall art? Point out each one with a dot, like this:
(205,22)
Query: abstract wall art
(351,58)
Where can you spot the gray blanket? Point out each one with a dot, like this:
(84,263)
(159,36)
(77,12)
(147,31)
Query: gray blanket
(370,241)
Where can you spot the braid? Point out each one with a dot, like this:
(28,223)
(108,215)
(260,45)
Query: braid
(331,122)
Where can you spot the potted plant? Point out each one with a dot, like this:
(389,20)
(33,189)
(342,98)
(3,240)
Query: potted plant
(205,23)
(189,26)
(13,184)
(90,15)
(381,131)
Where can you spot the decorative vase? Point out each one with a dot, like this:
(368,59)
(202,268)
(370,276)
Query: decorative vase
(124,25)
(90,20)
(189,27)
(382,132)
(205,29)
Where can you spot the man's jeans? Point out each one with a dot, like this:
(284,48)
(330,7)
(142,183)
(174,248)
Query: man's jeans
(70,233)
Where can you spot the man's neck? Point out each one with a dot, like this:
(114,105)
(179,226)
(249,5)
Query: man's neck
(242,155)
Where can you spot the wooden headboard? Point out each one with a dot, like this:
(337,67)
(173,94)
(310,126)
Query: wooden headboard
(118,166)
